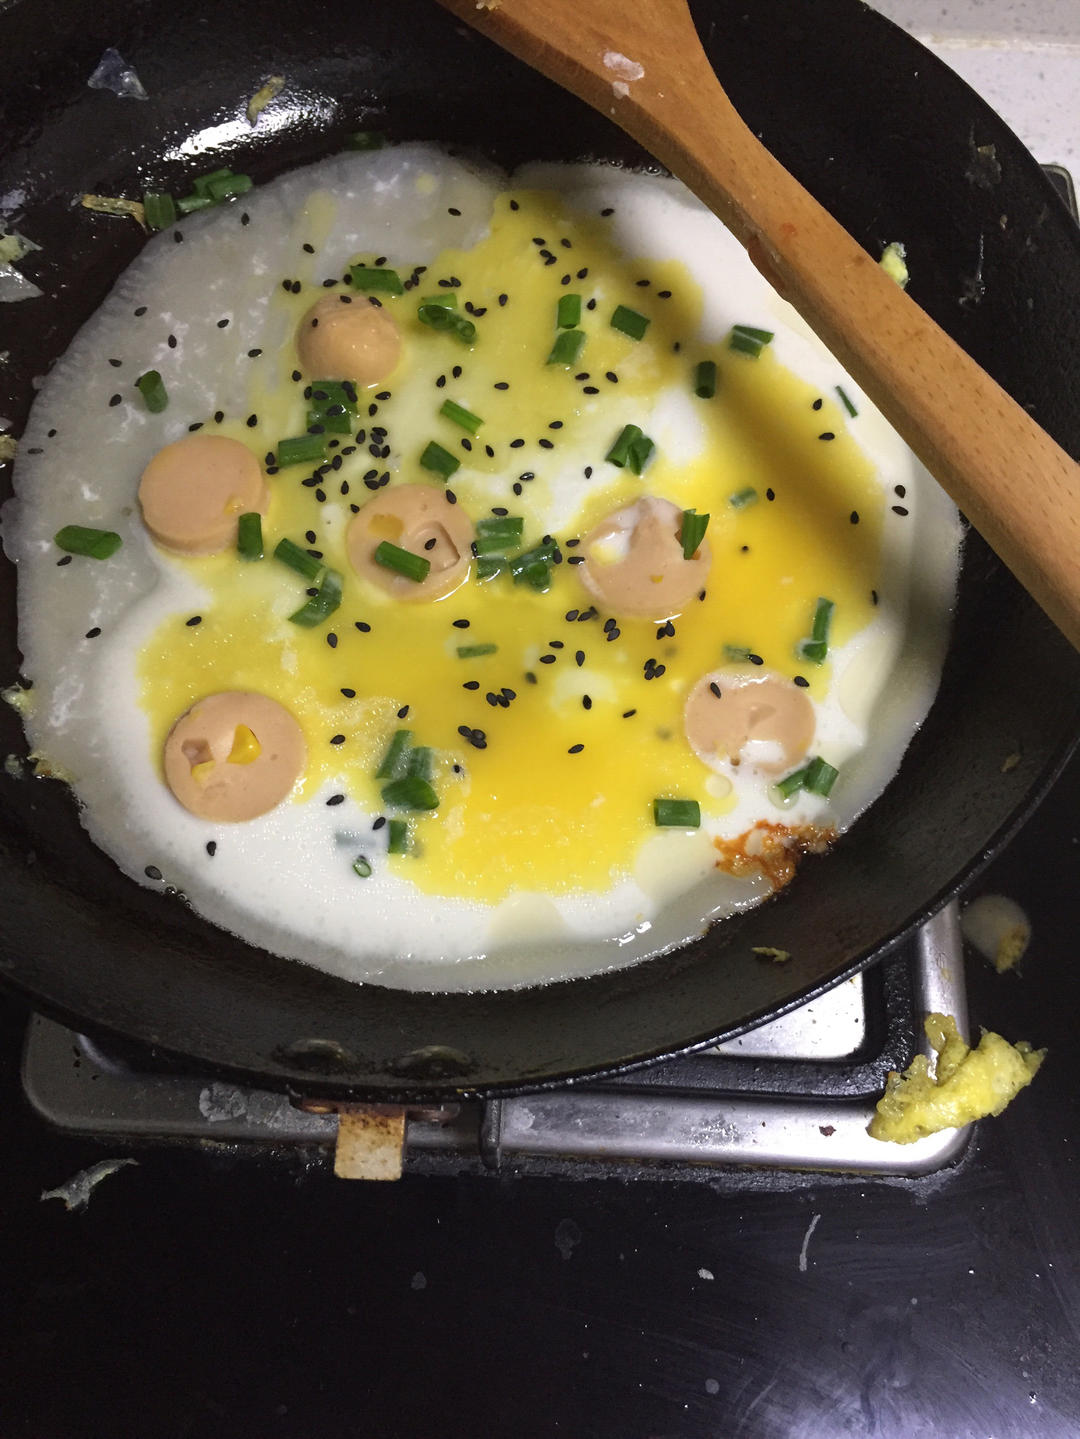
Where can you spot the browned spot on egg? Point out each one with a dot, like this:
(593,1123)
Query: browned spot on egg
(773,850)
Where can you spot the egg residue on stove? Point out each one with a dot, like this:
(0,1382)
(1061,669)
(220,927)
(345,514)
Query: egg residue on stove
(553,721)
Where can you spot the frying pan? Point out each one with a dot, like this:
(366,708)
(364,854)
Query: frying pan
(889,140)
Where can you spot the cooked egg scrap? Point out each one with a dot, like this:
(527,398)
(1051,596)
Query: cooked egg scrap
(508,587)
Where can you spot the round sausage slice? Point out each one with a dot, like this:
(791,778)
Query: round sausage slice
(345,337)
(634,562)
(759,719)
(192,493)
(418,518)
(233,756)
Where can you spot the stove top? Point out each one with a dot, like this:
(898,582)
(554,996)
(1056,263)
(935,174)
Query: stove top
(794,1094)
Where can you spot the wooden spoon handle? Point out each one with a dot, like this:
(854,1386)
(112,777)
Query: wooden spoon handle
(642,65)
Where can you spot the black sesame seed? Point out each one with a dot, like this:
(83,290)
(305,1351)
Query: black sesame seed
(195,425)
(802,683)
(492,699)
(854,517)
(461,624)
(715,688)
(115,400)
(93,634)
(116,364)
(349,694)
(336,799)
(452,211)
(430,544)
(362,626)
(663,294)
(503,299)
(817,405)
(140,312)
(628,714)
(547,659)
(770,494)
(252,421)
(514,205)
(556,645)
(211,847)
(575,749)
(612,634)
(178,238)
(555,424)
(471,685)
(440,382)
(219,415)
(337,739)
(451,498)
(571,616)
(583,272)
(611,377)
(379,822)
(516,488)
(516,444)
(245,218)
(899,491)
(320,495)
(755,659)
(64,560)
(500,385)
(590,304)
(530,678)
(579,658)
(586,702)
(223,324)
(609,211)
(526,476)
(152,872)
(826,435)
(899,510)
(331,640)
(545,443)
(589,390)
(456,372)
(254,354)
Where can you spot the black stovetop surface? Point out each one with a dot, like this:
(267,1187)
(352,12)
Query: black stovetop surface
(200,1296)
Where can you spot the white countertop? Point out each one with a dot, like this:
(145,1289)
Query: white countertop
(1022,56)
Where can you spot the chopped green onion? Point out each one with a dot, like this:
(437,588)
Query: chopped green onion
(299,560)
(322,604)
(397,836)
(495,535)
(567,347)
(81,540)
(533,567)
(152,388)
(461,416)
(705,379)
(438,460)
(817,646)
(334,392)
(630,322)
(300,450)
(568,315)
(333,420)
(201,184)
(820,777)
(631,450)
(186,204)
(488,566)
(393,557)
(249,536)
(420,762)
(445,300)
(749,341)
(442,316)
(361,867)
(394,761)
(692,532)
(793,782)
(677,813)
(737,654)
(475,652)
(814,650)
(227,187)
(368,278)
(159,209)
(365,140)
(741,498)
(846,401)
(410,792)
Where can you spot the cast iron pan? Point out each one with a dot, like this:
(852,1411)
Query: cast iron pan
(893,144)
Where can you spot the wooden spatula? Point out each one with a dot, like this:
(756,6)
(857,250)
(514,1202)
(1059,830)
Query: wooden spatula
(640,63)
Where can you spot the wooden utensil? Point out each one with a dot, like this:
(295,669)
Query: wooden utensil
(640,62)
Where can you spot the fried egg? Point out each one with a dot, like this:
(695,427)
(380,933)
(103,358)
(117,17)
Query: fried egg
(621,724)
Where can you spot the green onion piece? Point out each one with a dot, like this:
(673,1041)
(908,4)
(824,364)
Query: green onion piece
(397,836)
(438,460)
(814,650)
(249,536)
(339,423)
(568,315)
(567,347)
(81,540)
(488,566)
(705,379)
(793,782)
(640,450)
(677,813)
(152,388)
(361,867)
(749,341)
(474,652)
(846,401)
(395,760)
(326,393)
(420,762)
(820,777)
(536,575)
(299,560)
(410,792)
(443,317)
(630,322)
(159,209)
(692,532)
(741,498)
(365,140)
(495,535)
(461,416)
(367,278)
(822,618)
(393,557)
(201,184)
(300,450)
(321,605)
(737,654)
(228,187)
(186,204)
(445,300)
(619,454)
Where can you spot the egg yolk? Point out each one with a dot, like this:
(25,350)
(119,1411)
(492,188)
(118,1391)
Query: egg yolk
(554,723)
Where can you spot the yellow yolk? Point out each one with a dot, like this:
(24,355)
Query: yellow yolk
(529,810)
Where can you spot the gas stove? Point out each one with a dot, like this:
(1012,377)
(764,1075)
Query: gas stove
(794,1094)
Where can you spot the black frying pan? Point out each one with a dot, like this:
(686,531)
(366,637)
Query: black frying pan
(893,144)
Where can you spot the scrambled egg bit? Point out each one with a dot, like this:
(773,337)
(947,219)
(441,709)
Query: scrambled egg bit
(966,1084)
(549,707)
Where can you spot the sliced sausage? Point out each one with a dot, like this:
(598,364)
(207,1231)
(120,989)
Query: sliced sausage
(234,756)
(418,518)
(634,561)
(759,719)
(354,341)
(192,493)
